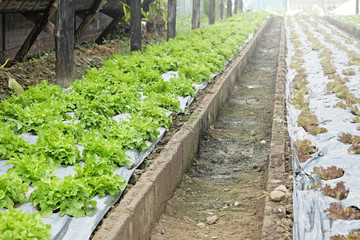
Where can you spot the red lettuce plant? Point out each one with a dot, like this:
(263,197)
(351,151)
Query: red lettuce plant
(304,149)
(355,148)
(328,173)
(339,192)
(347,138)
(310,123)
(336,211)
(353,235)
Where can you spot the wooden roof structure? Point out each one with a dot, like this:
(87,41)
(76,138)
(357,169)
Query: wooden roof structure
(20,6)
(63,29)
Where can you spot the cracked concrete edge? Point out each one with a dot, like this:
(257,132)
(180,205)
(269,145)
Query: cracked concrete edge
(142,206)
(346,27)
(276,170)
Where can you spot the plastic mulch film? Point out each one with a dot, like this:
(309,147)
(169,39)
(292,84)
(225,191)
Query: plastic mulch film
(310,221)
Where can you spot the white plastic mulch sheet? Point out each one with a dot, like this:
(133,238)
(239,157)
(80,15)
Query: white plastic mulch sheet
(71,228)
(310,221)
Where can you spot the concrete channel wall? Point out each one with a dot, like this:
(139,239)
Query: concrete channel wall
(277,174)
(350,29)
(143,205)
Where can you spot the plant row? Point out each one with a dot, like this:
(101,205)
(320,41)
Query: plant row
(351,19)
(337,86)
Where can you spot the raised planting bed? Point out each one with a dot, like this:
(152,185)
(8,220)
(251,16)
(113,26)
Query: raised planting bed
(349,24)
(69,153)
(322,101)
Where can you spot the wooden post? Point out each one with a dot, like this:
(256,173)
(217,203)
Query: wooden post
(221,9)
(195,20)
(229,8)
(211,11)
(357,7)
(135,25)
(3,40)
(171,19)
(95,8)
(51,9)
(64,42)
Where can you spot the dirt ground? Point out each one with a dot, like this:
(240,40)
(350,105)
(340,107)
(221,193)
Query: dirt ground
(33,71)
(221,196)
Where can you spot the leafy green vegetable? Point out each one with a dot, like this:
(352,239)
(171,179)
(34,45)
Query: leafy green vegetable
(12,190)
(328,173)
(339,192)
(148,109)
(19,225)
(32,168)
(11,144)
(98,176)
(69,195)
(104,148)
(52,142)
(354,234)
(304,149)
(133,133)
(336,211)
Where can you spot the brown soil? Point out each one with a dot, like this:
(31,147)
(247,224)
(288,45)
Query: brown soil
(228,179)
(32,72)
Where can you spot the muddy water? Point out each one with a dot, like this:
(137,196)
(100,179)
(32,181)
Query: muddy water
(221,196)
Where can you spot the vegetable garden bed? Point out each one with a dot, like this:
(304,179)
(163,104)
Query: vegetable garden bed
(350,19)
(348,26)
(69,153)
(323,99)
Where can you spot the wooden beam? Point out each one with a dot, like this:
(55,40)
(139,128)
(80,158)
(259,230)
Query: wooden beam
(135,25)
(95,8)
(36,31)
(3,40)
(221,9)
(35,17)
(229,8)
(195,20)
(109,28)
(171,19)
(211,11)
(64,42)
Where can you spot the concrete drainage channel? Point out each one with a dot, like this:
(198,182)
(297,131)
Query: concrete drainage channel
(137,213)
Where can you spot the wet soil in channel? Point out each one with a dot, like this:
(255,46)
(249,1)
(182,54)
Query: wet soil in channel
(222,195)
